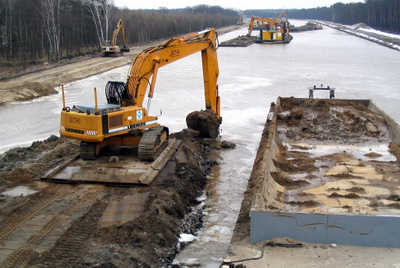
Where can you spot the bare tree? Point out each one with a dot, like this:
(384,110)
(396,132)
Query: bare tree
(100,10)
(106,6)
(6,30)
(51,15)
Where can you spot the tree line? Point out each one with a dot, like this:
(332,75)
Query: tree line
(39,30)
(379,14)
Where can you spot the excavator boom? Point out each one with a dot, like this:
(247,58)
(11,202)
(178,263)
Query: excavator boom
(253,19)
(147,63)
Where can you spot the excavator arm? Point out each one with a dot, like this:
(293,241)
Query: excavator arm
(279,19)
(143,70)
(119,28)
(255,18)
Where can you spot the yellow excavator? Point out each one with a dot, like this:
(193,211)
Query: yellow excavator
(281,18)
(110,47)
(123,121)
(272,30)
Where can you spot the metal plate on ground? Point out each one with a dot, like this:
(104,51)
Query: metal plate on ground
(119,212)
(113,167)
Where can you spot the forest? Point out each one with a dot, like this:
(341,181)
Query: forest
(49,30)
(37,30)
(379,14)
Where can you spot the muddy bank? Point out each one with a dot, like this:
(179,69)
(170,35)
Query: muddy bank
(40,80)
(148,238)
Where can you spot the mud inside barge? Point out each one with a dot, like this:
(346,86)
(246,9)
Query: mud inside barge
(326,171)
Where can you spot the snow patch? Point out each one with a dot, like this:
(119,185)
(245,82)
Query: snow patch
(186,238)
(19,191)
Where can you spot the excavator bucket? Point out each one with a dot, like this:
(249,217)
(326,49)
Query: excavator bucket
(205,122)
(125,49)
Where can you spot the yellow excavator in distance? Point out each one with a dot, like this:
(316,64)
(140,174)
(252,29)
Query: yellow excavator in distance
(110,47)
(272,30)
(123,121)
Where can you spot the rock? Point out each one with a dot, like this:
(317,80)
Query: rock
(371,128)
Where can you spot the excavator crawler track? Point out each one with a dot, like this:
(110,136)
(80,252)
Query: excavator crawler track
(152,143)
(87,150)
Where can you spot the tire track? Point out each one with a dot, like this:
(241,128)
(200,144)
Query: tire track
(27,212)
(21,256)
(70,246)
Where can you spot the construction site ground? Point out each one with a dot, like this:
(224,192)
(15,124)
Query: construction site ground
(47,224)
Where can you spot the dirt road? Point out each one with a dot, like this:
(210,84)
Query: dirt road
(41,81)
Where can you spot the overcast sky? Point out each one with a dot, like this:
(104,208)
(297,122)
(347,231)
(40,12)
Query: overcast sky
(240,5)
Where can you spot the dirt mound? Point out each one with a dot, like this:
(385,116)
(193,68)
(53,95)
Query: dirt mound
(360,26)
(322,120)
(20,165)
(240,41)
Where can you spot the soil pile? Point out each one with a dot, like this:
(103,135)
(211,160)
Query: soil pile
(321,120)
(22,165)
(240,41)
(205,123)
(313,121)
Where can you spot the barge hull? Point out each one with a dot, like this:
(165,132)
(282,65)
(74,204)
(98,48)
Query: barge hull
(335,180)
